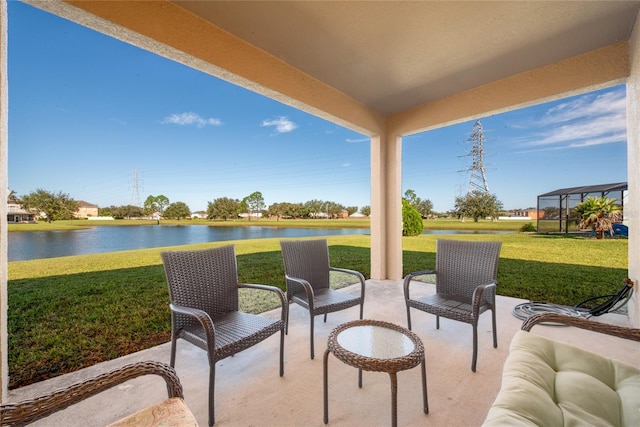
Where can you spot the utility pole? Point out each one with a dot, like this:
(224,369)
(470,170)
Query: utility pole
(478,178)
(135,191)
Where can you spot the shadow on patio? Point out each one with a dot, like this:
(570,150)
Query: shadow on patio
(249,391)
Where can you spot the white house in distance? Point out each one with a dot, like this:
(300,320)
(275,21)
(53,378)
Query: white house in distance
(17,214)
(85,210)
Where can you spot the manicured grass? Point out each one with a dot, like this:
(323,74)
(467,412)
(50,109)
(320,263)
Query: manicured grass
(72,312)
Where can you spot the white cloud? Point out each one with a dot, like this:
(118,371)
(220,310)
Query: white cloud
(190,118)
(608,103)
(589,120)
(118,120)
(282,124)
(591,142)
(359,140)
(346,165)
(609,139)
(582,130)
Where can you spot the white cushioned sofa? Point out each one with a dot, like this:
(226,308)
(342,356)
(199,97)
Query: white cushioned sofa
(549,383)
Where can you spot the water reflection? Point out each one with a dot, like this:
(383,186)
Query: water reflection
(49,244)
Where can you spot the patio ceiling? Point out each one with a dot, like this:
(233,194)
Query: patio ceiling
(359,62)
(392,56)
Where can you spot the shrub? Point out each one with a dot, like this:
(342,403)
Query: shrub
(528,227)
(412,224)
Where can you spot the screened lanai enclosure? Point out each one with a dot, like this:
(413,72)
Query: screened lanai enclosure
(556,212)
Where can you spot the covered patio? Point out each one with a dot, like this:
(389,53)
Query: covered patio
(249,391)
(386,70)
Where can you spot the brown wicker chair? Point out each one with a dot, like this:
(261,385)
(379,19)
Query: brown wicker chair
(466,279)
(173,410)
(308,274)
(203,287)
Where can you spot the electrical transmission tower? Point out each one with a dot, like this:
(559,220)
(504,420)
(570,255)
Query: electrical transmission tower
(478,177)
(135,191)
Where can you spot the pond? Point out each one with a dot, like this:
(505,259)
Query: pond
(49,244)
(30,245)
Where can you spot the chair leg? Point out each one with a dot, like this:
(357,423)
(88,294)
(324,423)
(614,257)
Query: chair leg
(174,342)
(325,317)
(475,347)
(311,336)
(286,319)
(282,352)
(212,382)
(361,309)
(437,322)
(172,359)
(495,333)
(408,318)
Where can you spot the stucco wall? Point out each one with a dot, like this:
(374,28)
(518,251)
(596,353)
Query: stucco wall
(4,189)
(632,207)
(580,74)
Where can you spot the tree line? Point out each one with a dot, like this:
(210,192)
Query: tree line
(57,206)
(60,206)
(254,206)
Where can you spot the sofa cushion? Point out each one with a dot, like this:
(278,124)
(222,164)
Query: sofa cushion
(548,383)
(172,412)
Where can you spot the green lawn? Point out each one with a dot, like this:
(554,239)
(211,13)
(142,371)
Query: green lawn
(72,312)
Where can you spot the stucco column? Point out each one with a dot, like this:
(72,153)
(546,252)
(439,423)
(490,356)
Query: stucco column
(4,189)
(632,206)
(386,207)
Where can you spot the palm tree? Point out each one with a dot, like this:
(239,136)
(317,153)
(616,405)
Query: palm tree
(598,213)
(13,197)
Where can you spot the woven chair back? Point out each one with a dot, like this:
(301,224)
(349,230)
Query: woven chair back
(204,279)
(308,260)
(464,265)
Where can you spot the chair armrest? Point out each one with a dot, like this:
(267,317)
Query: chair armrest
(583,323)
(410,276)
(478,294)
(269,288)
(359,275)
(277,291)
(200,315)
(305,285)
(28,411)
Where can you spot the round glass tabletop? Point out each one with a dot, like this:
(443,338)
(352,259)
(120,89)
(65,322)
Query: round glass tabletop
(374,341)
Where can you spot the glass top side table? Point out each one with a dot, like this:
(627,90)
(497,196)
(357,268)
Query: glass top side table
(374,345)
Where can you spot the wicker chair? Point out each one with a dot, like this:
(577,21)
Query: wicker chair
(466,279)
(172,411)
(203,287)
(308,274)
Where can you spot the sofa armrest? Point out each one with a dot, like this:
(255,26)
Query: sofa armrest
(580,322)
(28,411)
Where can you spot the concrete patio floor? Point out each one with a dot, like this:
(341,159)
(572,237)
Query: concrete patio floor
(249,391)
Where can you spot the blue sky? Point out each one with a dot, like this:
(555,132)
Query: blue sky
(88,114)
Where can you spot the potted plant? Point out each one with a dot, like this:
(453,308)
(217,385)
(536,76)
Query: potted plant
(598,213)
